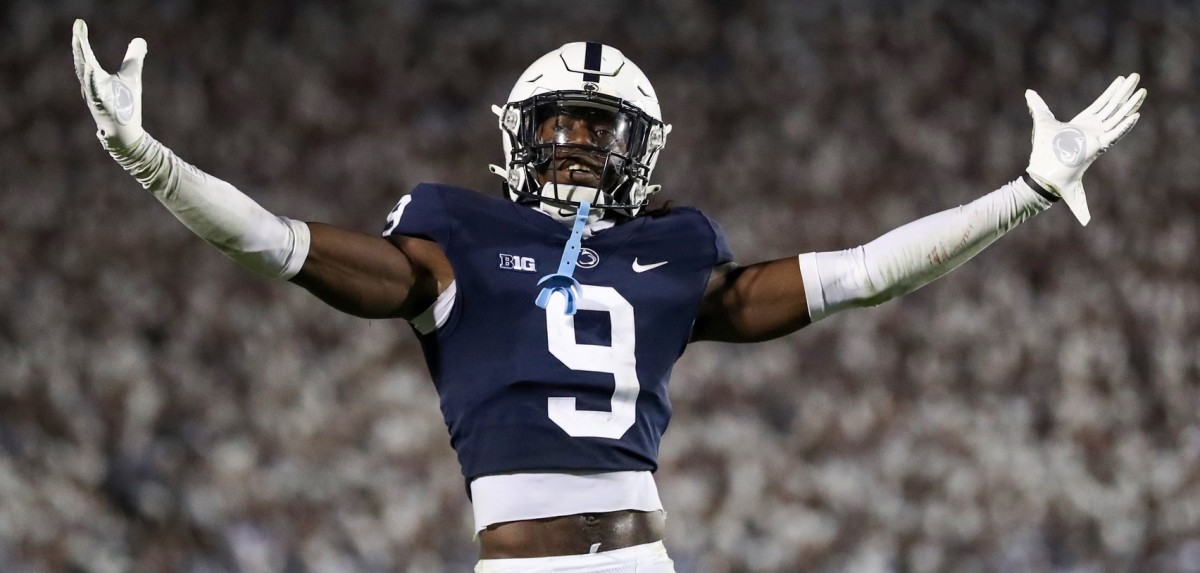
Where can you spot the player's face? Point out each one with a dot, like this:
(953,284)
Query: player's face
(585,137)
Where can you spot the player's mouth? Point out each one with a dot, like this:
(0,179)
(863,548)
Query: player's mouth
(577,171)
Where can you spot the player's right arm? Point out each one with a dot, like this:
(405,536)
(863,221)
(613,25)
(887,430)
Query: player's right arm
(360,274)
(373,277)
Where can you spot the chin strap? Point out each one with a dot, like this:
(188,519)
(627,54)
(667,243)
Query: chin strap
(569,192)
(562,281)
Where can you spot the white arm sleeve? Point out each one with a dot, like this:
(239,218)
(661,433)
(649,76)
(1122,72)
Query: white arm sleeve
(217,212)
(911,256)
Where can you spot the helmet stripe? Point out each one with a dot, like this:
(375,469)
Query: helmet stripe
(591,61)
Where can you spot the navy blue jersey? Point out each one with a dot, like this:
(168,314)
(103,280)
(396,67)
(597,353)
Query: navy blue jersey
(529,389)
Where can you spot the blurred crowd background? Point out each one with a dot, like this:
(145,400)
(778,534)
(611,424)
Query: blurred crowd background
(162,409)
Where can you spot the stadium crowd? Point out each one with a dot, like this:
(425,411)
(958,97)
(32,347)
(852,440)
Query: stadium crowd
(162,409)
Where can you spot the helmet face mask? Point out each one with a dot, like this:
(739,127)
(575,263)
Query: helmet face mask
(582,124)
(601,139)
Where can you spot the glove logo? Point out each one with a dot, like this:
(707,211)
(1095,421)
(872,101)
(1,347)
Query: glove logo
(124,101)
(1070,147)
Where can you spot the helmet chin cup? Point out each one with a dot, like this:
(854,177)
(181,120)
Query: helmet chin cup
(558,194)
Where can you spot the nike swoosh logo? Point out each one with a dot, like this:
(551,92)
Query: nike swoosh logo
(643,268)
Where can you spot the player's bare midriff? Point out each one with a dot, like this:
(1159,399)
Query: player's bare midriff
(571,534)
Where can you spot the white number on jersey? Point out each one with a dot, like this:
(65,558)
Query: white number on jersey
(393,218)
(617,359)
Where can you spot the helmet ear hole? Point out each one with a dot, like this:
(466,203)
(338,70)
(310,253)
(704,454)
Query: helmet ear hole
(658,138)
(510,120)
(515,178)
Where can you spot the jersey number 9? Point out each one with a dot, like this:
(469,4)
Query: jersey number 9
(617,359)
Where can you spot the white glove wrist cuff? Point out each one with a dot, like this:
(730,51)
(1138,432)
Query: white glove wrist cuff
(1039,188)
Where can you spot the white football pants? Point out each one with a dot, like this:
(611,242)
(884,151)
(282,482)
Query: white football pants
(648,558)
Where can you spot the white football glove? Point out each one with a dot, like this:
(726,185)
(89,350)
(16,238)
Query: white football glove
(1063,151)
(114,100)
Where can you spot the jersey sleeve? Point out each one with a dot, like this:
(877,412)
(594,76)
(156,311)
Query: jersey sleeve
(721,246)
(421,213)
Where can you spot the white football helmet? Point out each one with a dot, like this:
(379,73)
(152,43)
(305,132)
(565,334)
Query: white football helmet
(594,86)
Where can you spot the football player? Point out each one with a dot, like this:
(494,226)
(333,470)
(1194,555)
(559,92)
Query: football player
(551,317)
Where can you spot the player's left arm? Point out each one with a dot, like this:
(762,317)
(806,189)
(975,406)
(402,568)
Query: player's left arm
(752,303)
(770,299)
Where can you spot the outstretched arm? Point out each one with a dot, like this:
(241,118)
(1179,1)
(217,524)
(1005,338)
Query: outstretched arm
(770,299)
(360,274)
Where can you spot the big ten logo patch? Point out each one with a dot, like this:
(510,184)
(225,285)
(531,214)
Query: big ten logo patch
(517,263)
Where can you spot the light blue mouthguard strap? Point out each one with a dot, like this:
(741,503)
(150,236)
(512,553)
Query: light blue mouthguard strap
(562,281)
